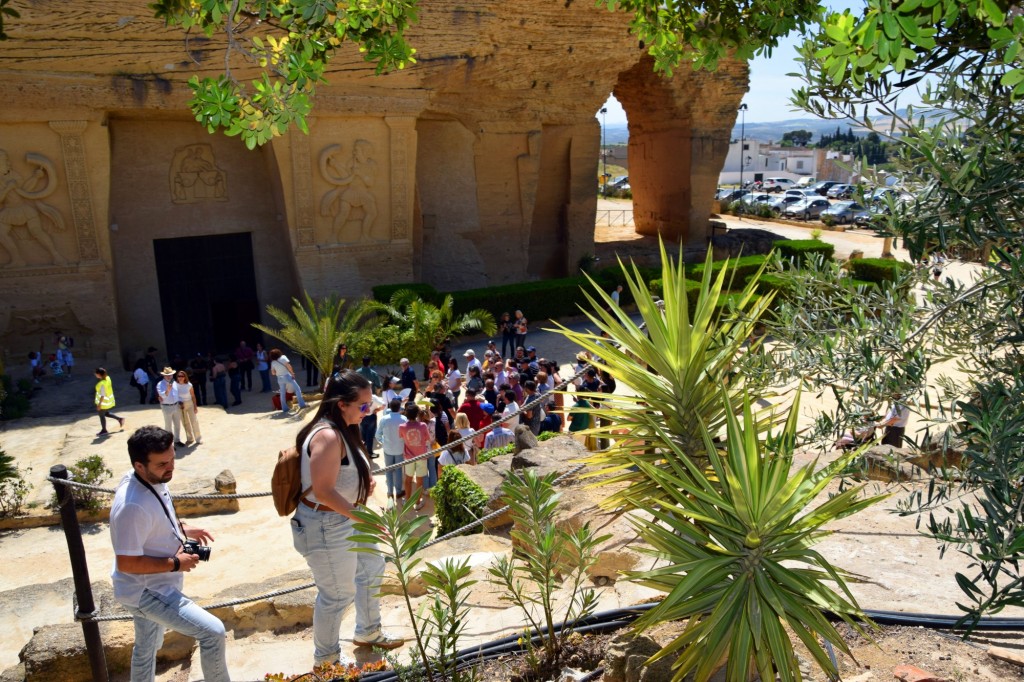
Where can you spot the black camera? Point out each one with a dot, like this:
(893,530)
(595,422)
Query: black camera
(193,547)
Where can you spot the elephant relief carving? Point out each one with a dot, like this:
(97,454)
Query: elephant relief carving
(195,176)
(21,205)
(353,178)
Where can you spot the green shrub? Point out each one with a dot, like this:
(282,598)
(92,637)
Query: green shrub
(611,276)
(778,283)
(763,210)
(799,250)
(877,270)
(93,471)
(13,486)
(384,292)
(538,300)
(741,269)
(458,501)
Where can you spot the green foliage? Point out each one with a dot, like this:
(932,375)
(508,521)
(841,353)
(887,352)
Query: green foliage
(315,329)
(797,138)
(705,33)
(550,558)
(739,270)
(611,276)
(878,270)
(93,471)
(689,350)
(384,292)
(734,541)
(538,300)
(292,43)
(14,404)
(458,501)
(13,486)
(423,326)
(447,615)
(800,250)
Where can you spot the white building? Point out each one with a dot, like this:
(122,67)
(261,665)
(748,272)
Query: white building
(760,161)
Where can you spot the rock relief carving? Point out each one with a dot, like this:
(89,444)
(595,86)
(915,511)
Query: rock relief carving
(43,323)
(353,178)
(21,205)
(195,176)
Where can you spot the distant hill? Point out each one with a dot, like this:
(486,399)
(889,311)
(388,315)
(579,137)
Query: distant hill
(618,133)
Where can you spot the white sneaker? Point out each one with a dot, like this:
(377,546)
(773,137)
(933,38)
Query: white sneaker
(379,640)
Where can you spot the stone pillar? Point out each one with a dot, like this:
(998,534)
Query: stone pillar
(302,186)
(659,172)
(707,152)
(77,170)
(403,174)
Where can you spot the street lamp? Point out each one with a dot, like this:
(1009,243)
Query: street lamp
(743,133)
(604,150)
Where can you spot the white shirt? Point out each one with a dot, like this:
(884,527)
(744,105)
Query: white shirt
(475,363)
(454,380)
(139,527)
(499,437)
(279,368)
(901,413)
(183,391)
(161,390)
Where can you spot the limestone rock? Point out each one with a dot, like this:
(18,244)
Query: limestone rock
(490,476)
(554,456)
(225,483)
(626,656)
(936,453)
(478,550)
(886,463)
(16,673)
(188,507)
(525,440)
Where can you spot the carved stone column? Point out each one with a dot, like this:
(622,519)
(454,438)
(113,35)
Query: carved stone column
(77,171)
(403,174)
(302,179)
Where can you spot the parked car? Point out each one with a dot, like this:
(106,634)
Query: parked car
(802,193)
(841,191)
(824,186)
(779,205)
(844,212)
(807,208)
(733,195)
(876,213)
(777,184)
(803,183)
(757,198)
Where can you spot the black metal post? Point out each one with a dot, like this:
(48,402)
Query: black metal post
(743,131)
(604,150)
(80,571)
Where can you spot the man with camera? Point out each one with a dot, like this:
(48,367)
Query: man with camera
(152,549)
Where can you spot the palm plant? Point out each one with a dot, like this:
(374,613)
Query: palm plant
(737,545)
(674,363)
(315,329)
(423,326)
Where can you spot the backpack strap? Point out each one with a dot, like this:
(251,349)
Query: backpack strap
(321,425)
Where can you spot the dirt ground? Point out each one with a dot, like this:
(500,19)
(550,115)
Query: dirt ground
(903,569)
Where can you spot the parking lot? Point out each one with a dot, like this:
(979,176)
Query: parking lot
(828,202)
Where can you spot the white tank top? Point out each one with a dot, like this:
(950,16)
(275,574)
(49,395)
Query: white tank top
(347,483)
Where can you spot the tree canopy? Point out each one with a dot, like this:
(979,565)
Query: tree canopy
(797,138)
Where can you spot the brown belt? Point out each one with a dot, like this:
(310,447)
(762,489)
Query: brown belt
(316,506)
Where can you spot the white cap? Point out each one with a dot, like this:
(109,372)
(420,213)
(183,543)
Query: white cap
(469,353)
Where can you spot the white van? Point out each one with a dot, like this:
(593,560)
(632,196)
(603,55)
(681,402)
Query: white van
(805,182)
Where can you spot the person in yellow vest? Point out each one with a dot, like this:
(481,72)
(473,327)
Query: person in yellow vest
(105,401)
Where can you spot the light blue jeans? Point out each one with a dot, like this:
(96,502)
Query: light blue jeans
(179,613)
(431,473)
(284,382)
(341,576)
(394,478)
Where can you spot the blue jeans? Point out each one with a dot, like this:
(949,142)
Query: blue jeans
(284,382)
(341,576)
(155,613)
(368,430)
(265,380)
(394,478)
(431,473)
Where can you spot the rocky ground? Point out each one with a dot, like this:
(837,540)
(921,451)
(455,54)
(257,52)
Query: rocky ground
(903,569)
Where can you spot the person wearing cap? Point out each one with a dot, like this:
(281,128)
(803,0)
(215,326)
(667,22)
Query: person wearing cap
(169,404)
(471,360)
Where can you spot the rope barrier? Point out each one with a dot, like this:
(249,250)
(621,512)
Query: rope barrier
(305,586)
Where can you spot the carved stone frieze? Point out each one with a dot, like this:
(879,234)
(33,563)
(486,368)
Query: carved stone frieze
(303,182)
(22,206)
(353,175)
(77,170)
(195,177)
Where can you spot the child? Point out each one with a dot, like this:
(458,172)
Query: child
(416,437)
(56,369)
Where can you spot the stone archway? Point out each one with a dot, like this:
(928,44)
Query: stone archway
(678,138)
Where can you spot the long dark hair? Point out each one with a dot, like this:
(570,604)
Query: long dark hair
(342,387)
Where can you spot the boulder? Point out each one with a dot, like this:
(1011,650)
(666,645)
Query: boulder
(890,464)
(225,483)
(525,440)
(941,451)
(490,476)
(580,504)
(188,507)
(626,658)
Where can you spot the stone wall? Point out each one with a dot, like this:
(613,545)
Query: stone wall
(476,166)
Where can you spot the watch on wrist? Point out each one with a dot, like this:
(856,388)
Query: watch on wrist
(177,564)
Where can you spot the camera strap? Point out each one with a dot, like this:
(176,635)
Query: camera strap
(150,488)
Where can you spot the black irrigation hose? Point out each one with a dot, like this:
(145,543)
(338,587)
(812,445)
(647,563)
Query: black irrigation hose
(618,618)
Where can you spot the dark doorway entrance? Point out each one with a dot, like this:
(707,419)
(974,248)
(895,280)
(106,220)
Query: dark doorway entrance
(207,292)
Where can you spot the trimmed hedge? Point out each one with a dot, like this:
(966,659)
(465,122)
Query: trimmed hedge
(742,268)
(877,270)
(800,250)
(551,298)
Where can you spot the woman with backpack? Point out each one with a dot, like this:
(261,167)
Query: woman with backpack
(335,470)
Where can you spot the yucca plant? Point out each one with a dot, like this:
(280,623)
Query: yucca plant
(674,363)
(736,540)
(315,329)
